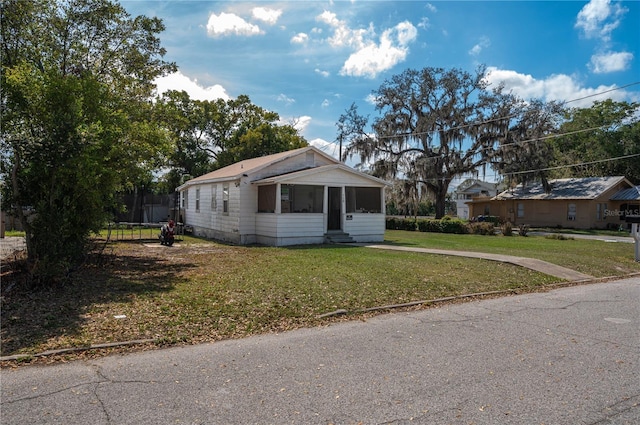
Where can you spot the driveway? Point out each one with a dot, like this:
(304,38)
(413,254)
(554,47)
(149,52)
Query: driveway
(568,356)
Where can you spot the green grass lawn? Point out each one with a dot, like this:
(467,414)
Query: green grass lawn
(204,291)
(593,257)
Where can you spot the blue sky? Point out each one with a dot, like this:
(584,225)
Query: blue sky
(310,60)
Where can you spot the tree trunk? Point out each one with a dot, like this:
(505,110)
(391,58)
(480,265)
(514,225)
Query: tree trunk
(441,199)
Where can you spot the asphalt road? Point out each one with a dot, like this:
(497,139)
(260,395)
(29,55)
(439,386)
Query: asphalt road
(569,356)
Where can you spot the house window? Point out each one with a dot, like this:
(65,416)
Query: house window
(520,209)
(214,201)
(198,200)
(225,199)
(301,198)
(571,212)
(184,201)
(600,211)
(363,199)
(267,198)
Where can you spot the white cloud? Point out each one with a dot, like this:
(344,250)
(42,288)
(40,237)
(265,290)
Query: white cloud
(424,23)
(326,103)
(299,123)
(269,16)
(610,62)
(321,72)
(285,99)
(558,87)
(343,36)
(327,147)
(300,38)
(180,82)
(482,44)
(431,7)
(228,23)
(374,58)
(599,18)
(371,99)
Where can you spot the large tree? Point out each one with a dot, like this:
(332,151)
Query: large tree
(76,82)
(603,140)
(212,134)
(434,125)
(524,153)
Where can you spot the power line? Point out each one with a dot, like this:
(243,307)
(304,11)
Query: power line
(550,136)
(559,167)
(603,92)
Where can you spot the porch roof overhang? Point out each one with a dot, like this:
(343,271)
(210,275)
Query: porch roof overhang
(301,174)
(251,166)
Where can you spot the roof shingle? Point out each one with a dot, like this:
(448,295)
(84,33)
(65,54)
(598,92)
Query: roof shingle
(573,188)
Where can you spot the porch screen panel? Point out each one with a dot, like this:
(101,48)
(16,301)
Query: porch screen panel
(363,199)
(302,198)
(267,198)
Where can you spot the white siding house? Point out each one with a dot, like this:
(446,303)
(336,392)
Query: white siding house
(303,196)
(471,189)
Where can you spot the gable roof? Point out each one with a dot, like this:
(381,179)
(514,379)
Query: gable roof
(631,194)
(283,178)
(469,184)
(573,188)
(248,166)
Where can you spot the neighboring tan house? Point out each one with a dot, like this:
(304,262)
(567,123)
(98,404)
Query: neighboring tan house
(303,196)
(471,189)
(581,203)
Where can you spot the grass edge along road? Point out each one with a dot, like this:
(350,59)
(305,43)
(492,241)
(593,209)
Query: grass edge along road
(202,291)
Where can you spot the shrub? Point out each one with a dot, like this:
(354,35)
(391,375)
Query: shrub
(445,225)
(523,229)
(397,223)
(392,223)
(429,225)
(507,228)
(450,225)
(483,228)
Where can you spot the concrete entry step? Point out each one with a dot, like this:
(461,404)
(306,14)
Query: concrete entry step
(337,237)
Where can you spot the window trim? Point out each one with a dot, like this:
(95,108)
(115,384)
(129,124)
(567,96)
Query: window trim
(225,199)
(214,200)
(572,211)
(520,210)
(185,199)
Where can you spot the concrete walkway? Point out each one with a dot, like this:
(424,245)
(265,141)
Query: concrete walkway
(622,238)
(530,263)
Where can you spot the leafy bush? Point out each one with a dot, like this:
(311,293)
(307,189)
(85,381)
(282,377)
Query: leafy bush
(523,229)
(396,223)
(454,226)
(445,225)
(429,225)
(507,228)
(483,228)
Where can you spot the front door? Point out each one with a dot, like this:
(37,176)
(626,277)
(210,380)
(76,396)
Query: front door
(335,206)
